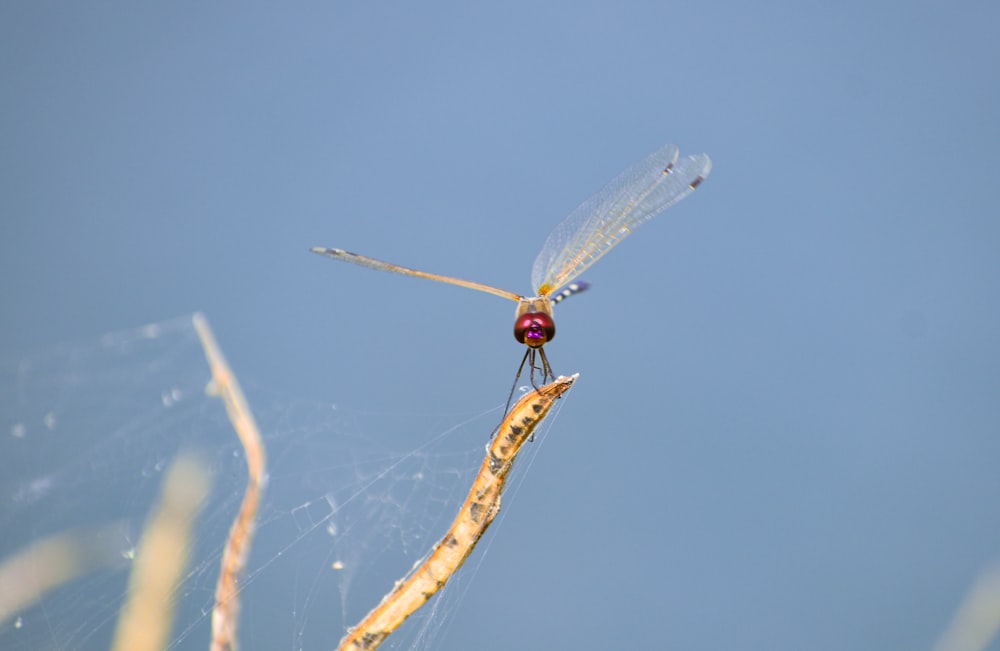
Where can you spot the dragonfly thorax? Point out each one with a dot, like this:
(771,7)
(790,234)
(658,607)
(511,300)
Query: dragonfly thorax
(534,326)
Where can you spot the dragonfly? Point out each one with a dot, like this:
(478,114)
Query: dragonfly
(641,192)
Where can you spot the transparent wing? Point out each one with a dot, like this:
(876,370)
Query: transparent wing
(380,265)
(635,196)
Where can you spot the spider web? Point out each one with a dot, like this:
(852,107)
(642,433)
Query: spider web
(89,428)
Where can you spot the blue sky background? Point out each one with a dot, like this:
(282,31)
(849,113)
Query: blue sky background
(786,430)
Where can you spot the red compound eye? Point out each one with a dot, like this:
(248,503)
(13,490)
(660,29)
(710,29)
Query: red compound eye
(534,329)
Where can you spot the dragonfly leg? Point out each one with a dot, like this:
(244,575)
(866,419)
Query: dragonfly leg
(531,359)
(548,375)
(513,388)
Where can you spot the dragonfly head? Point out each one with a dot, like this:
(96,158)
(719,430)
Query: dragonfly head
(534,329)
